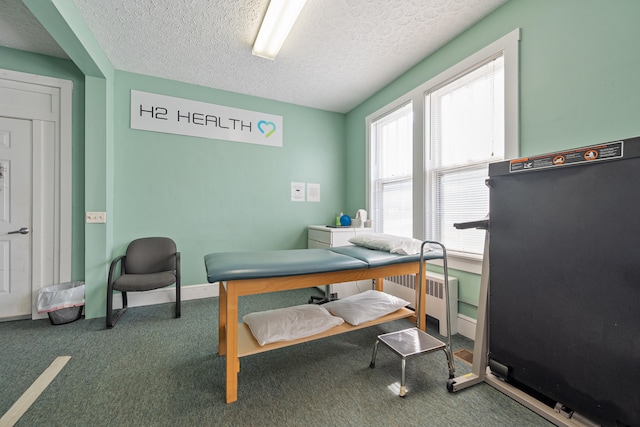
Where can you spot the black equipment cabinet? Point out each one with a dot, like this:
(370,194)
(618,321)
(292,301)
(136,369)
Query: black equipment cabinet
(564,296)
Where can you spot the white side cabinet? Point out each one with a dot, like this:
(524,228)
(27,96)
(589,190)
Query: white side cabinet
(321,236)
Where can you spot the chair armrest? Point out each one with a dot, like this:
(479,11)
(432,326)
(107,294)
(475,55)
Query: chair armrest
(112,269)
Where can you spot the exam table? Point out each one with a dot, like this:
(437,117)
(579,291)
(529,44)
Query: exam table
(250,273)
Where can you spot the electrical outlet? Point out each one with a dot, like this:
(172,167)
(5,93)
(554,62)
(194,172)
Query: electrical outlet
(96,217)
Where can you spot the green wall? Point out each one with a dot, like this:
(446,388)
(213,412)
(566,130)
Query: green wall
(207,195)
(579,85)
(212,195)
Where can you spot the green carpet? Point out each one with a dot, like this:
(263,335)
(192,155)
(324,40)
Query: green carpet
(155,370)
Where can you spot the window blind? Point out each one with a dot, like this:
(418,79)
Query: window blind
(466,133)
(391,172)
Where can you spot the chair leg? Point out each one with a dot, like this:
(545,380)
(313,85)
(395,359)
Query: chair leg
(111,317)
(109,308)
(178,284)
(177,300)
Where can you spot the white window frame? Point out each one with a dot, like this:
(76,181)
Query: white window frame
(508,45)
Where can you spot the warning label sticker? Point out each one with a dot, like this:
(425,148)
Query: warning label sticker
(573,157)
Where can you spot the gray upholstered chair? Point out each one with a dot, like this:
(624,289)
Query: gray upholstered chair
(149,263)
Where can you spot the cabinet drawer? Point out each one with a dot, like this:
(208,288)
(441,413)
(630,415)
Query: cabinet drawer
(314,244)
(320,235)
(342,238)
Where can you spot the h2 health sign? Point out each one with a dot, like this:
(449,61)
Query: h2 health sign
(167,114)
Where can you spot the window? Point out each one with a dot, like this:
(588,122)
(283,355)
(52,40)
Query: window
(429,151)
(391,172)
(465,133)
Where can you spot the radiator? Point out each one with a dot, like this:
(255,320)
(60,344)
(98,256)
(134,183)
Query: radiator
(404,287)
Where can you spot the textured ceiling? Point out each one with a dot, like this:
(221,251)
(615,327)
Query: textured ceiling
(338,53)
(19,29)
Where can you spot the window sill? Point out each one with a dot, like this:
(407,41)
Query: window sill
(470,263)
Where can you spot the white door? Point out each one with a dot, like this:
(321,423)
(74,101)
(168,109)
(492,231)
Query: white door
(15,218)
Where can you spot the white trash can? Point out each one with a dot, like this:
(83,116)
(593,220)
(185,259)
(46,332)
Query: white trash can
(63,302)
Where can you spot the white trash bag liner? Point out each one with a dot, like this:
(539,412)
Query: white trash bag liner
(62,295)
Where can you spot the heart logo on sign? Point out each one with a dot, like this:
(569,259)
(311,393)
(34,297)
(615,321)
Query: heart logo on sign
(270,128)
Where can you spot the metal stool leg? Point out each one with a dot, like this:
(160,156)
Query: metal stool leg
(373,356)
(403,388)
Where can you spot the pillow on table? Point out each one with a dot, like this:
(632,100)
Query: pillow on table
(366,306)
(389,243)
(290,323)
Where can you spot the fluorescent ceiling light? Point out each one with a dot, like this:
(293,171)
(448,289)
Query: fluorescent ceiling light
(277,22)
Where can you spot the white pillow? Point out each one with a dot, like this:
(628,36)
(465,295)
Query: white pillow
(389,243)
(290,323)
(366,306)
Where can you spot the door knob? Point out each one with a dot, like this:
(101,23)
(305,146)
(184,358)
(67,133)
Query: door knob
(23,230)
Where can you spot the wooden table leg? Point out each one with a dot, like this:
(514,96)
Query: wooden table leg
(232,361)
(379,282)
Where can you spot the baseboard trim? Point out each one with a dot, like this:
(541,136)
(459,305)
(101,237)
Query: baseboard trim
(165,295)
